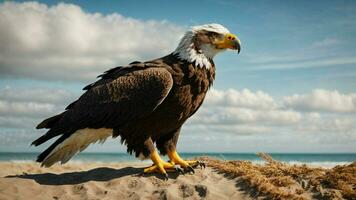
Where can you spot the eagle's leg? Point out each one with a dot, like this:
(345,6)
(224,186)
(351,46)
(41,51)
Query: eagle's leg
(167,145)
(158,164)
(186,164)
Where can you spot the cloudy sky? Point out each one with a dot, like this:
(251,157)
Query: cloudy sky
(292,88)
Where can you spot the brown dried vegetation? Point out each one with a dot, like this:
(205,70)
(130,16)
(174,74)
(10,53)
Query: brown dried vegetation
(277,180)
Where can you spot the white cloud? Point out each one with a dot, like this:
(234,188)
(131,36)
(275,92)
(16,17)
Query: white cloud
(247,112)
(25,109)
(19,122)
(41,95)
(239,115)
(243,107)
(17,105)
(332,123)
(219,129)
(63,42)
(244,98)
(323,100)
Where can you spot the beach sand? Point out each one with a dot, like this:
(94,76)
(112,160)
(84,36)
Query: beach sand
(219,180)
(109,181)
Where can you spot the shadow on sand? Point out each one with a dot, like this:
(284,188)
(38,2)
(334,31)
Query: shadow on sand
(97,174)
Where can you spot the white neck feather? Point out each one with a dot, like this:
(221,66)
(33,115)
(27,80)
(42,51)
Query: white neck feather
(201,58)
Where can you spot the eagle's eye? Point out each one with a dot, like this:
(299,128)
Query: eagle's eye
(212,34)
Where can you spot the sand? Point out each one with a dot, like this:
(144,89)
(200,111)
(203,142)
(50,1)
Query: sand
(109,181)
(240,180)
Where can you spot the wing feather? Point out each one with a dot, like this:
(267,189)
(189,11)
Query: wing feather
(120,96)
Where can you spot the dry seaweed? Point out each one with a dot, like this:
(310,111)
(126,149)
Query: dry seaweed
(277,180)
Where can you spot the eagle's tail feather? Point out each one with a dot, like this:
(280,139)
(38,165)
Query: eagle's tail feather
(50,122)
(45,153)
(44,138)
(65,147)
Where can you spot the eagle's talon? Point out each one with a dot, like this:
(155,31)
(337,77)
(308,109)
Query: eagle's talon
(165,177)
(178,169)
(190,169)
(201,164)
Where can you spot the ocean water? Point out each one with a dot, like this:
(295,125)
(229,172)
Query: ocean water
(314,159)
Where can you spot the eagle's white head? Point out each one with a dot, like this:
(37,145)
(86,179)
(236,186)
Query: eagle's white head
(202,43)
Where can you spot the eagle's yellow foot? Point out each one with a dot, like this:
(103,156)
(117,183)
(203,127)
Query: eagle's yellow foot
(185,164)
(161,166)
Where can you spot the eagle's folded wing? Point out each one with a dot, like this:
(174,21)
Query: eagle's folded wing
(111,102)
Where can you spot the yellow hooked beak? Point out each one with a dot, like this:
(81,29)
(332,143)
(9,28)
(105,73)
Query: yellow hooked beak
(229,41)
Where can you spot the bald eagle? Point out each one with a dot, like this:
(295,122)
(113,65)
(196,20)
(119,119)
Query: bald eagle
(145,103)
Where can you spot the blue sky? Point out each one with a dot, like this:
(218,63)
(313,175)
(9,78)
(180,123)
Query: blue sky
(298,59)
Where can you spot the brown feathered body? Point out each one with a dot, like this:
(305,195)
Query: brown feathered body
(190,85)
(144,99)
